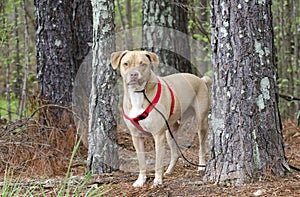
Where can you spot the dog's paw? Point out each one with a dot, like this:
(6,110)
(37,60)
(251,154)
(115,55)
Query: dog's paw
(201,169)
(157,182)
(139,182)
(168,172)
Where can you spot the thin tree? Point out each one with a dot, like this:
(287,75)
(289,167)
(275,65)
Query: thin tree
(126,23)
(103,150)
(22,101)
(17,59)
(246,135)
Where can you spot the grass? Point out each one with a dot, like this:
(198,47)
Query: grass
(14,105)
(69,186)
(4,108)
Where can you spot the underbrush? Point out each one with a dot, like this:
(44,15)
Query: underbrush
(39,161)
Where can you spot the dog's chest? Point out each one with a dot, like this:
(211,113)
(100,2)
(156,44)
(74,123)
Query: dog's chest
(137,101)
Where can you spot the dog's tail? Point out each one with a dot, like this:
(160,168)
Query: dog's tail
(207,80)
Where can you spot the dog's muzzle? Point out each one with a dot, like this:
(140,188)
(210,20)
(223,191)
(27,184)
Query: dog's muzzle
(133,78)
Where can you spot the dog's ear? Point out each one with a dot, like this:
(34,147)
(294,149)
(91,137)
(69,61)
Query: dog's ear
(116,57)
(153,58)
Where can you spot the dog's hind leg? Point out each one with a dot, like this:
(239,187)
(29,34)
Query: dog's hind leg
(201,107)
(173,148)
(202,134)
(138,143)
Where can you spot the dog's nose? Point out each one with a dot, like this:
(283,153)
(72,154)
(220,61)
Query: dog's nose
(134,75)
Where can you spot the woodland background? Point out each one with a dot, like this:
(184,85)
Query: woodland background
(21,103)
(18,83)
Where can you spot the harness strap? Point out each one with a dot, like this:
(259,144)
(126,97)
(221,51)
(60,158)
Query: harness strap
(173,99)
(145,114)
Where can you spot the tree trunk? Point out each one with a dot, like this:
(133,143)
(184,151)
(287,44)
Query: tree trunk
(246,139)
(287,62)
(129,39)
(161,21)
(22,101)
(296,57)
(63,32)
(103,149)
(18,68)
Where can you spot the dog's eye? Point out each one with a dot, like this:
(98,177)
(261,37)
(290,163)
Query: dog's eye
(125,64)
(143,65)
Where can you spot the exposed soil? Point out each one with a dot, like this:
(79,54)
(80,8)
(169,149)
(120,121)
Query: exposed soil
(38,154)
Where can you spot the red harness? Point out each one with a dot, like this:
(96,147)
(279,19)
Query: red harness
(145,114)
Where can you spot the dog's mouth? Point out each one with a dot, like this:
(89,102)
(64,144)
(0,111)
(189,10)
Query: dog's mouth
(133,82)
(136,85)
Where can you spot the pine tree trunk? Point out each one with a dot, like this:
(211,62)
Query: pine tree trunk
(161,21)
(63,31)
(246,139)
(103,149)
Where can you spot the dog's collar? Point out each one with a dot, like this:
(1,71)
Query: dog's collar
(145,114)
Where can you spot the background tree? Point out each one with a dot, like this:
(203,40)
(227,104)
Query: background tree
(64,29)
(246,139)
(286,23)
(286,27)
(126,23)
(23,95)
(199,29)
(103,150)
(167,14)
(17,58)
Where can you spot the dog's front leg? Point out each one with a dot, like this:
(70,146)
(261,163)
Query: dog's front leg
(138,143)
(159,139)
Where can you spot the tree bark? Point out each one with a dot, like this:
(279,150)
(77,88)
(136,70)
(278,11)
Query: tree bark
(103,149)
(246,138)
(172,50)
(63,32)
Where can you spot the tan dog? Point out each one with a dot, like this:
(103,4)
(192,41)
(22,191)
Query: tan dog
(172,95)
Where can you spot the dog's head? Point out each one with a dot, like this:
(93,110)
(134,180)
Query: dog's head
(135,67)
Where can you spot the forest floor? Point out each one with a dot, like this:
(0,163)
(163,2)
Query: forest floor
(37,159)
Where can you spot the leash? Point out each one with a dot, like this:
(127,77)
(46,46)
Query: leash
(294,168)
(169,129)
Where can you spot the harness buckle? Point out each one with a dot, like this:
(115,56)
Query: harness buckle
(143,115)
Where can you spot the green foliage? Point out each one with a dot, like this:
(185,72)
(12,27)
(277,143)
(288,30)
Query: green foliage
(12,55)
(4,107)
(286,27)
(286,23)
(136,14)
